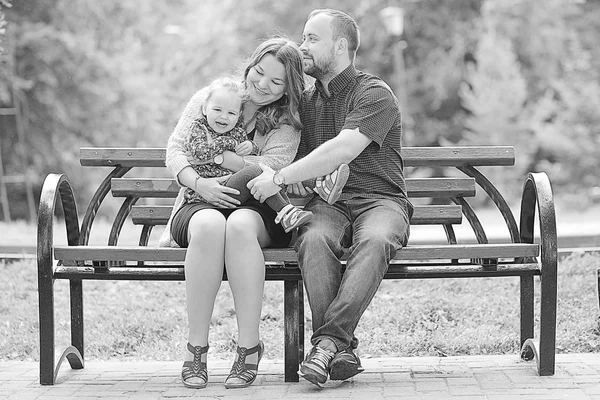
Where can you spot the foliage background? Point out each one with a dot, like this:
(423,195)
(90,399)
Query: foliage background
(119,72)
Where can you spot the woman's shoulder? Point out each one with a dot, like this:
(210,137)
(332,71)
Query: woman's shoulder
(198,97)
(283,129)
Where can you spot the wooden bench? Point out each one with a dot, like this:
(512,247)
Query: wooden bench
(518,256)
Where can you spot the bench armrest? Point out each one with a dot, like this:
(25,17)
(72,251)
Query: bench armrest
(537,190)
(56,186)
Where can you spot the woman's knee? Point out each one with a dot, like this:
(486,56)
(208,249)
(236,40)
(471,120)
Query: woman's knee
(246,225)
(206,223)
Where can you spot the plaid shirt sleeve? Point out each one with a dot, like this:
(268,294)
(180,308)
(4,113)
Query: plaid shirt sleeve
(373,113)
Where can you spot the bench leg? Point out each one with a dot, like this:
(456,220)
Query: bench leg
(300,321)
(46,315)
(76,295)
(548,323)
(293,334)
(527,311)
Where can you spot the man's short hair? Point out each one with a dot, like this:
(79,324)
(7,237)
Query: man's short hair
(342,26)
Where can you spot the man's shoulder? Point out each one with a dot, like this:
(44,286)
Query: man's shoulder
(365,80)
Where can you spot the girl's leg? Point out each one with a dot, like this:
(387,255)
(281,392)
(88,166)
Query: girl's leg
(240,179)
(288,215)
(245,236)
(204,262)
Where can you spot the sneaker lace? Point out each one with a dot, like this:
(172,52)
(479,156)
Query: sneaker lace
(321,357)
(285,210)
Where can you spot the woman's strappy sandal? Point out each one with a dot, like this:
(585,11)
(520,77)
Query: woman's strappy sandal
(246,373)
(195,368)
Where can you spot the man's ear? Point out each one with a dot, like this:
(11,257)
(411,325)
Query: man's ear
(341,46)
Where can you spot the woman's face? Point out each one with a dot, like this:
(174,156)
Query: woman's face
(266,81)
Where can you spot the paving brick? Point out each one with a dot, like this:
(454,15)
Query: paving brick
(464,378)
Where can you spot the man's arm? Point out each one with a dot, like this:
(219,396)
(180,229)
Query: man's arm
(343,148)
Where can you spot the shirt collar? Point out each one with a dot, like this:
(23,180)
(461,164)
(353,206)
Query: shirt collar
(340,81)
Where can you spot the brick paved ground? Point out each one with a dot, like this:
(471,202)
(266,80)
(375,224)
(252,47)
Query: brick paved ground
(465,378)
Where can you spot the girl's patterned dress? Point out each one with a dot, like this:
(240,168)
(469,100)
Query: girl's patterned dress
(204,144)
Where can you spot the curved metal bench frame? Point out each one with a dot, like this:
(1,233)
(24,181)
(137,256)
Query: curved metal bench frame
(536,191)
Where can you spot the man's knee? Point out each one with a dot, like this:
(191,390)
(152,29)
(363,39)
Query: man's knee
(316,236)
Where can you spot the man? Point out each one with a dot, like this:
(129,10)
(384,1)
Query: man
(348,117)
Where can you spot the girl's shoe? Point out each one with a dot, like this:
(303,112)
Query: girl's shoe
(291,217)
(243,375)
(195,368)
(329,187)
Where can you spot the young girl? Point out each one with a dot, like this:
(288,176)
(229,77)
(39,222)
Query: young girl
(219,130)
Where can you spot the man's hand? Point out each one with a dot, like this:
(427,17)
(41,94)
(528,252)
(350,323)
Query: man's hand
(244,148)
(263,187)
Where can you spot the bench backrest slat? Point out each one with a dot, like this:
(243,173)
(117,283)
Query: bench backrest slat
(413,156)
(168,188)
(423,215)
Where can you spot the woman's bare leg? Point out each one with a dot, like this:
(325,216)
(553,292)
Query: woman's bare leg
(204,262)
(245,237)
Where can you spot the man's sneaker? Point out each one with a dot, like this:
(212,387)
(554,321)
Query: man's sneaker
(315,367)
(329,187)
(345,365)
(292,217)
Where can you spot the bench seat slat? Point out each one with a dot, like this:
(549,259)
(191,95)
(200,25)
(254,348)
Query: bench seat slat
(416,187)
(413,156)
(420,252)
(423,215)
(280,273)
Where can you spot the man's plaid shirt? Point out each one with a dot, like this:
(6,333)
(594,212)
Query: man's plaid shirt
(363,101)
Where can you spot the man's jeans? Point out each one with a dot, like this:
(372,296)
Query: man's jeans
(373,230)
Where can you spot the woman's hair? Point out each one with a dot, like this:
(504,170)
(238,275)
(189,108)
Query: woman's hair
(234,86)
(284,110)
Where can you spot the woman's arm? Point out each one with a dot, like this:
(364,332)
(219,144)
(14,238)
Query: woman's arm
(177,154)
(211,189)
(276,149)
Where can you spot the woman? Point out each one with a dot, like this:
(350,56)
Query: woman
(218,233)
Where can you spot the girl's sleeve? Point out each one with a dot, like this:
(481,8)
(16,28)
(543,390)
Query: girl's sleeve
(176,158)
(279,149)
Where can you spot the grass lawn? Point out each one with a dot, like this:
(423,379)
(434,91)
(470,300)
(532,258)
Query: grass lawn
(147,320)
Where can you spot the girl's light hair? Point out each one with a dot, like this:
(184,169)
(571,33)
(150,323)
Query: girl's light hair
(234,86)
(284,110)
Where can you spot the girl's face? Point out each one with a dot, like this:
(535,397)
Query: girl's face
(222,110)
(266,81)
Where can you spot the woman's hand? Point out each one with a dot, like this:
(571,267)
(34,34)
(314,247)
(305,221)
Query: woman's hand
(215,193)
(244,148)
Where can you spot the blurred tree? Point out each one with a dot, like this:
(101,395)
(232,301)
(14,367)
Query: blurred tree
(119,72)
(494,92)
(541,96)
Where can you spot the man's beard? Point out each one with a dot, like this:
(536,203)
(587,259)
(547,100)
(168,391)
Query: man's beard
(324,69)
